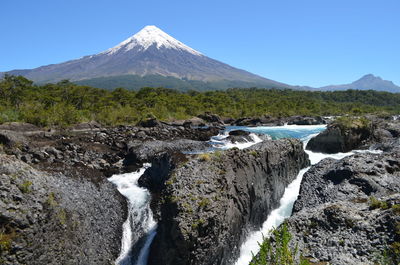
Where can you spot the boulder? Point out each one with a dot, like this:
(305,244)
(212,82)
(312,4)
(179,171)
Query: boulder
(12,139)
(239,136)
(148,123)
(260,121)
(19,127)
(304,120)
(87,126)
(342,136)
(195,122)
(211,118)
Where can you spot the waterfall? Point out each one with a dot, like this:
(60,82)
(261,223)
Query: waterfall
(139,226)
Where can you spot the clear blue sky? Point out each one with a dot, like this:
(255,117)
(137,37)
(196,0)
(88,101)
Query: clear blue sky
(299,42)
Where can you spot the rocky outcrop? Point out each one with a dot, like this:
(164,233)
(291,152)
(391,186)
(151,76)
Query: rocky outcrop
(239,136)
(211,118)
(12,139)
(212,200)
(140,152)
(304,120)
(259,121)
(279,121)
(348,210)
(54,219)
(346,134)
(342,136)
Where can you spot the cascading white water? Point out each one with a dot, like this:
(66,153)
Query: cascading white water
(277,216)
(220,141)
(140,222)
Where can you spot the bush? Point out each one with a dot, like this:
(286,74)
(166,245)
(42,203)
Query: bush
(25,187)
(205,157)
(6,240)
(374,203)
(276,250)
(346,123)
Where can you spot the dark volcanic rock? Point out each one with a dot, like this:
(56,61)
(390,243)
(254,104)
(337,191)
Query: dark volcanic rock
(58,207)
(149,123)
(212,200)
(334,218)
(239,133)
(304,120)
(357,176)
(239,136)
(266,120)
(55,219)
(360,133)
(161,166)
(211,118)
(12,139)
(341,138)
(19,127)
(92,125)
(141,152)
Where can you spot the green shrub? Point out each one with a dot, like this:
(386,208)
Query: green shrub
(200,222)
(396,209)
(51,199)
(346,122)
(276,250)
(374,203)
(217,155)
(204,202)
(25,187)
(62,216)
(253,153)
(205,157)
(6,240)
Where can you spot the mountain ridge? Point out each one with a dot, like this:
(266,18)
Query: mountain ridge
(366,82)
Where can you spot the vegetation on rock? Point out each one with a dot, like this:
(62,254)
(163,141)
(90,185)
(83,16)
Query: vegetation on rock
(276,249)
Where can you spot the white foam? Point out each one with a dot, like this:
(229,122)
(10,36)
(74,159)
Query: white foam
(140,216)
(221,142)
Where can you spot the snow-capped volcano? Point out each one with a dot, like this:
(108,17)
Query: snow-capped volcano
(149,53)
(147,37)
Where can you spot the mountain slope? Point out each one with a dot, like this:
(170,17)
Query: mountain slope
(367,82)
(149,52)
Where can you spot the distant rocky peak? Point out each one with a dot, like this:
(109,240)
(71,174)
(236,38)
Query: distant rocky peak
(369,77)
(147,37)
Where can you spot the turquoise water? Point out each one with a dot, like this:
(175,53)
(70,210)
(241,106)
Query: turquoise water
(288,131)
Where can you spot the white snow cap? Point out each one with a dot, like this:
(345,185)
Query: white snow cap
(149,36)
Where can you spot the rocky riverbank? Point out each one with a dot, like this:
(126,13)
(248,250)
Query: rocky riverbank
(56,205)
